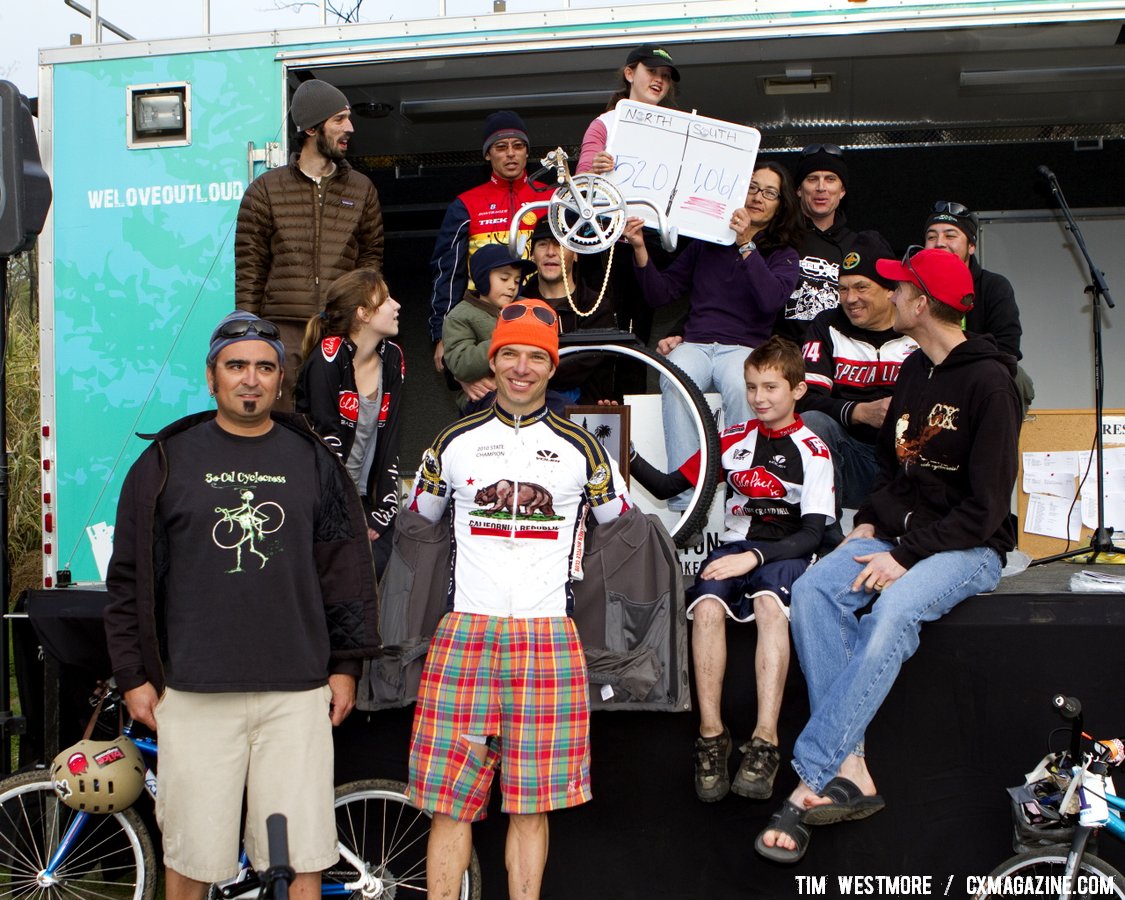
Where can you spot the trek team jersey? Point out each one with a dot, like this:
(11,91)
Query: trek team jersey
(545,468)
(241,582)
(774,478)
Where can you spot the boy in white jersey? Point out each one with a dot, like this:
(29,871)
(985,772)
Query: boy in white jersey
(780,498)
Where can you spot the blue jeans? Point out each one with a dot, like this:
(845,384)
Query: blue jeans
(853,461)
(713,367)
(851,664)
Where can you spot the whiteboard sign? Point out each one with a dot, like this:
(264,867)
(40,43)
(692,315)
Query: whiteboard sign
(694,168)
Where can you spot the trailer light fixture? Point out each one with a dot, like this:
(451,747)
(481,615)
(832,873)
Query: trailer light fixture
(46,431)
(158,115)
(1062,78)
(49,523)
(440,106)
(46,465)
(47,549)
(46,498)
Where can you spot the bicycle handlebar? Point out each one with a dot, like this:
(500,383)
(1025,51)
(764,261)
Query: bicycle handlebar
(280,873)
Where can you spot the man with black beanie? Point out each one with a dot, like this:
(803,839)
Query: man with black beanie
(952,226)
(821,176)
(302,226)
(481,215)
(852,359)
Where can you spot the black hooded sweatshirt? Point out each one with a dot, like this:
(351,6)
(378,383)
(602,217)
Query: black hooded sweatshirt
(948,454)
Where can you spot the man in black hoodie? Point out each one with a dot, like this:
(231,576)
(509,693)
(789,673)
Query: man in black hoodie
(933,532)
(821,176)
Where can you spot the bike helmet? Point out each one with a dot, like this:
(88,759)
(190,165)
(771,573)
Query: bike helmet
(99,776)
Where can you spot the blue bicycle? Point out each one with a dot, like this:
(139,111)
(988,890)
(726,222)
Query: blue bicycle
(1068,795)
(49,851)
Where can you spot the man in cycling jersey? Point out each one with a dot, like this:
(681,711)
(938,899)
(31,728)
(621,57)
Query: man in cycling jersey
(242,661)
(504,683)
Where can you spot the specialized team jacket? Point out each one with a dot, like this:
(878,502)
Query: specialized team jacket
(477,217)
(545,468)
(846,365)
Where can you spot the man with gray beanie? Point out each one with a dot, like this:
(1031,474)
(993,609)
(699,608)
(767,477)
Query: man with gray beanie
(821,176)
(481,215)
(303,225)
(241,605)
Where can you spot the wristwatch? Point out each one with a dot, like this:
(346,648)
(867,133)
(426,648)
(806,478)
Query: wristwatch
(748,247)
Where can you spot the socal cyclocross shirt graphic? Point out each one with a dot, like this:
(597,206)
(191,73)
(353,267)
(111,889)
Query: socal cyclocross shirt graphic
(239,517)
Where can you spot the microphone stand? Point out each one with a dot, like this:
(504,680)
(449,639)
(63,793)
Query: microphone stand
(1101,541)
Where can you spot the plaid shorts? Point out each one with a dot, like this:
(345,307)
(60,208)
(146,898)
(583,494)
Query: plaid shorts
(520,686)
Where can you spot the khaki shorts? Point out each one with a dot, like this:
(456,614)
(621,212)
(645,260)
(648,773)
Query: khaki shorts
(277,745)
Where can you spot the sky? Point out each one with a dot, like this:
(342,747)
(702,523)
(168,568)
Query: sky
(28,25)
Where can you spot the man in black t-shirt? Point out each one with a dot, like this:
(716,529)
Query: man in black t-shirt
(242,600)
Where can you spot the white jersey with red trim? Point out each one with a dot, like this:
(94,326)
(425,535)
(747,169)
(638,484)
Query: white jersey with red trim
(773,478)
(545,468)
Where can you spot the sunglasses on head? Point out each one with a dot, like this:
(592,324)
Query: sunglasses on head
(830,149)
(243,327)
(514,311)
(911,251)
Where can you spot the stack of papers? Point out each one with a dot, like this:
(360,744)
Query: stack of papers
(1089,580)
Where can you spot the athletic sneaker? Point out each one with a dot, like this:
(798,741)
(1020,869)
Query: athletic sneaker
(712,780)
(757,770)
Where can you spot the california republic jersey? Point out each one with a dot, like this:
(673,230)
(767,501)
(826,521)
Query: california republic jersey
(520,487)
(773,478)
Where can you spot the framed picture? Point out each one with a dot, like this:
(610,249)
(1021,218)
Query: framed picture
(610,425)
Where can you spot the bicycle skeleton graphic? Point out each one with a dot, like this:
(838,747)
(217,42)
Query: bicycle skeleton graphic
(245,525)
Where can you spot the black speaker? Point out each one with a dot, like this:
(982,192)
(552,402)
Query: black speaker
(25,189)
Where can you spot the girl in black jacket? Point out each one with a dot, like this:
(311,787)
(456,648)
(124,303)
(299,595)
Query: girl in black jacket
(350,387)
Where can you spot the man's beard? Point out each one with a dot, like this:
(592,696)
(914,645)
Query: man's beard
(327,149)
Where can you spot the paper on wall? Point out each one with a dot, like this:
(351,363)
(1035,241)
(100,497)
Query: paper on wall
(1048,515)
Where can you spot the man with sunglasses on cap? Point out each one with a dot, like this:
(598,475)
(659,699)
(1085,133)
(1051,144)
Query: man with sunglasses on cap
(302,226)
(241,604)
(933,532)
(481,215)
(504,683)
(952,226)
(821,176)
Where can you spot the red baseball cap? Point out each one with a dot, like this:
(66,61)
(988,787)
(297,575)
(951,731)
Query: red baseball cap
(936,273)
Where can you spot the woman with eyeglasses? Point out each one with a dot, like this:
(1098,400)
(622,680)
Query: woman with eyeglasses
(350,387)
(736,293)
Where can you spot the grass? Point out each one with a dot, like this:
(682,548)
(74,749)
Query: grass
(22,407)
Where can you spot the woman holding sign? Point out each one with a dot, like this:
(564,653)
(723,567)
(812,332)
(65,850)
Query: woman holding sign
(736,292)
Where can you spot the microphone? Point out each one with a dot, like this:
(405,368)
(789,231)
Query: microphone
(1048,174)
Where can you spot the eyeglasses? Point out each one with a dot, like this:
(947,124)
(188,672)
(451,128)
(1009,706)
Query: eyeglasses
(830,149)
(910,253)
(769,193)
(242,327)
(514,311)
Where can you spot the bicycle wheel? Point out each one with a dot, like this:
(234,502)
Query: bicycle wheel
(376,822)
(695,515)
(1021,874)
(111,858)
